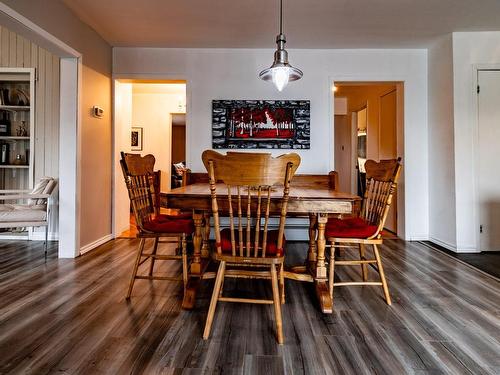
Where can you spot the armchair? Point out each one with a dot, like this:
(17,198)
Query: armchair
(34,213)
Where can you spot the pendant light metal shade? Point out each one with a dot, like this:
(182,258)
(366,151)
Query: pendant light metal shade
(281,72)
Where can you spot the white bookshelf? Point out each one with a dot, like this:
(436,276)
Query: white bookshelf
(17,100)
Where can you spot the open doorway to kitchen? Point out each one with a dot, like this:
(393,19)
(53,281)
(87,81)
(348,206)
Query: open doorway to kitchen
(368,124)
(147,116)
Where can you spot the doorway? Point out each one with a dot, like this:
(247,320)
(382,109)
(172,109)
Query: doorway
(488,145)
(368,129)
(154,110)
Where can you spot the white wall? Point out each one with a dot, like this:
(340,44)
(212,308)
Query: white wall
(232,74)
(469,49)
(442,215)
(152,112)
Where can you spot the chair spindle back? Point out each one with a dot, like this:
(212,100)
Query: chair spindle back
(381,184)
(142,194)
(137,165)
(250,180)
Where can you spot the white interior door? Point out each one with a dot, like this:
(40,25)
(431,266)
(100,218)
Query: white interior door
(489,169)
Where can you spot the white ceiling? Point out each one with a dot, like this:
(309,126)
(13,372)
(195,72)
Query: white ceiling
(308,23)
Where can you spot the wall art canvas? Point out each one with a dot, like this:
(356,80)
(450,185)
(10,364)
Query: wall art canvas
(261,124)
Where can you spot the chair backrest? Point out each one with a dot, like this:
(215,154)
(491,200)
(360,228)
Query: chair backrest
(249,180)
(138,165)
(141,193)
(45,185)
(333,180)
(381,184)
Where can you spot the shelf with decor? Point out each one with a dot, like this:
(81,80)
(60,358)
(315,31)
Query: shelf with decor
(14,166)
(14,137)
(17,130)
(15,107)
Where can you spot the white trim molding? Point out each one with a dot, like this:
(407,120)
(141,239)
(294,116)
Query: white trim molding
(91,246)
(446,245)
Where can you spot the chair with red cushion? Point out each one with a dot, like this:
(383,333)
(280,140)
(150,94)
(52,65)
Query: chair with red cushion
(381,183)
(150,223)
(247,249)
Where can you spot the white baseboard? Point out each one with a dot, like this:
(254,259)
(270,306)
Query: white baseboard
(445,244)
(418,237)
(467,249)
(35,236)
(96,243)
(40,236)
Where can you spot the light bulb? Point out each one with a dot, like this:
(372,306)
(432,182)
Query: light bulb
(280,77)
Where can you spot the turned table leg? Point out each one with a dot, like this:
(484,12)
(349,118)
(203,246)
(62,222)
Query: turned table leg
(311,254)
(197,241)
(199,262)
(320,274)
(205,248)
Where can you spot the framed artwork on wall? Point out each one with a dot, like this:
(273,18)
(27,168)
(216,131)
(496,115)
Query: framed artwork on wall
(136,139)
(261,124)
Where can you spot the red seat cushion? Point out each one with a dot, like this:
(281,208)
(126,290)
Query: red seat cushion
(271,246)
(163,224)
(180,215)
(355,227)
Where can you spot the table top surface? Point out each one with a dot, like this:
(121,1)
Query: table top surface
(303,192)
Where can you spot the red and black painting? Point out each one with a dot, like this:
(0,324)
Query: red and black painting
(261,124)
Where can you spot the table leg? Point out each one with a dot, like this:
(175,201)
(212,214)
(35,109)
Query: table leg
(198,263)
(311,254)
(321,278)
(205,248)
(197,240)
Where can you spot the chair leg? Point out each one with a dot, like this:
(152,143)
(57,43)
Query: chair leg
(178,249)
(277,304)
(155,249)
(331,273)
(282,282)
(382,275)
(136,266)
(213,302)
(184,261)
(46,240)
(364,267)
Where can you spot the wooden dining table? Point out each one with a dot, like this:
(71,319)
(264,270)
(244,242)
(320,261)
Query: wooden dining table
(309,197)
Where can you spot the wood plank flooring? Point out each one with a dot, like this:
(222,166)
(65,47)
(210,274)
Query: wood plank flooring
(70,317)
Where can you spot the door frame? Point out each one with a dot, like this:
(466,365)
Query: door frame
(476,68)
(400,83)
(143,78)
(354,147)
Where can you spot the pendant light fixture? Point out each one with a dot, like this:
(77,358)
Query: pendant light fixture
(281,72)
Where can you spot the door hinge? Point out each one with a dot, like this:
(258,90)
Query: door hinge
(478,89)
(481,228)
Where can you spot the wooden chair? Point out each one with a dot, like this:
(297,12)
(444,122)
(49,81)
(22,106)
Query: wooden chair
(248,248)
(136,165)
(151,224)
(381,183)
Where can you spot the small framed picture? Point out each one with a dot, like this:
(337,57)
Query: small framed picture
(136,139)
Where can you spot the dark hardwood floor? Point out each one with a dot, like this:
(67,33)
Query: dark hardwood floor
(70,317)
(486,261)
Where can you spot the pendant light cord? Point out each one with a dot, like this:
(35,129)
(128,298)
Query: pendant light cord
(281,16)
